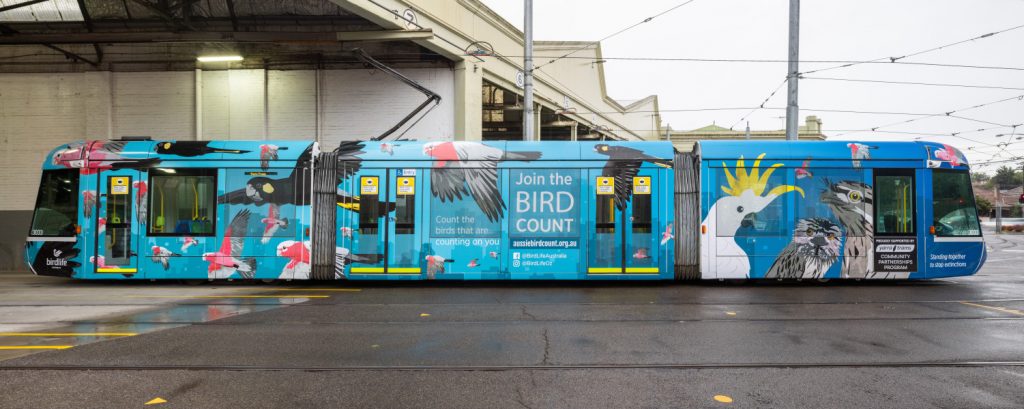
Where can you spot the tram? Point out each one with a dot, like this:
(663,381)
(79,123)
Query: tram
(440,210)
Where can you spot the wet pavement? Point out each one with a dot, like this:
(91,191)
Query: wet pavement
(954,343)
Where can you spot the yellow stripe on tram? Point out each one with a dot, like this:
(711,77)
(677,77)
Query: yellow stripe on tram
(618,270)
(27,347)
(390,270)
(116,270)
(68,334)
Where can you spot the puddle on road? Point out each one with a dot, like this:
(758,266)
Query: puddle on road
(16,344)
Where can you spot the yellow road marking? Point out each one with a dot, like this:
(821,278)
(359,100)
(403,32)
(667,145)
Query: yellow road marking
(723,399)
(67,334)
(156,401)
(18,347)
(730,313)
(1000,309)
(354,290)
(185,297)
(424,314)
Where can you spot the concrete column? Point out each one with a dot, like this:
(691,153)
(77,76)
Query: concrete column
(468,101)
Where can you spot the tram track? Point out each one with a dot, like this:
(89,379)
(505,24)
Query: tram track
(498,368)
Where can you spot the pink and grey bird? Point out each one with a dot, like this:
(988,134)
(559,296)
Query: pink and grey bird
(346,232)
(88,202)
(99,261)
(473,263)
(295,251)
(641,254)
(163,256)
(272,223)
(948,154)
(187,242)
(101,224)
(101,155)
(470,169)
(268,152)
(802,171)
(226,261)
(667,235)
(859,151)
(141,193)
(387,148)
(435,265)
(492,254)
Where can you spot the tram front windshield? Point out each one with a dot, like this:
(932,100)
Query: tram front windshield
(56,204)
(953,201)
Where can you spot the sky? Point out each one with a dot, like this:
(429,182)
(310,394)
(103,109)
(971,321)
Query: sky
(830,30)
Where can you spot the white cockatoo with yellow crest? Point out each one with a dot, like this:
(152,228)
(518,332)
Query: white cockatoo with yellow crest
(747,192)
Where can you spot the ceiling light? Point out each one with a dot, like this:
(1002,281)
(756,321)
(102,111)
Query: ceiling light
(220,58)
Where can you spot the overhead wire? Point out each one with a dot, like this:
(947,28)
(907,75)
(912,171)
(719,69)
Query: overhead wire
(931,84)
(646,20)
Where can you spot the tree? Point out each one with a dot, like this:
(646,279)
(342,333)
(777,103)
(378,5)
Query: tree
(984,206)
(1007,177)
(980,177)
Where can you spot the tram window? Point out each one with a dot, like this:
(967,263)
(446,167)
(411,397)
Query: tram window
(369,205)
(641,213)
(604,219)
(894,202)
(953,203)
(57,204)
(182,202)
(405,205)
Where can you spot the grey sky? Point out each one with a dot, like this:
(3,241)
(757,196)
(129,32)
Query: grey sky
(830,30)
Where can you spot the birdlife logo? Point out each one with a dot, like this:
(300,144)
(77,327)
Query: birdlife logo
(57,261)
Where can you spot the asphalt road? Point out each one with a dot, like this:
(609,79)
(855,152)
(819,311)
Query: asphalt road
(956,343)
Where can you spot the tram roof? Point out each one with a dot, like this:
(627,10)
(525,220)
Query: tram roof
(830,150)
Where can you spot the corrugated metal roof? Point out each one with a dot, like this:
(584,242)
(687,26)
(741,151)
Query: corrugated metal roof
(53,10)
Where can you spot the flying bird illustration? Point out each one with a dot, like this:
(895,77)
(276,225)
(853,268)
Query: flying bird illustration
(102,155)
(492,254)
(852,202)
(344,257)
(101,224)
(641,254)
(88,202)
(859,151)
(802,171)
(163,256)
(624,164)
(186,243)
(268,152)
(473,263)
(387,148)
(470,169)
(191,148)
(435,265)
(667,235)
(814,248)
(346,232)
(949,154)
(225,261)
(99,261)
(272,223)
(141,193)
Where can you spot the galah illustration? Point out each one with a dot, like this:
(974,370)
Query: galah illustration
(141,194)
(859,151)
(435,265)
(346,232)
(802,171)
(101,154)
(473,263)
(492,254)
(295,251)
(268,152)
(470,169)
(948,154)
(387,148)
(163,256)
(88,202)
(272,223)
(186,243)
(624,164)
(99,261)
(225,261)
(101,225)
(641,254)
(667,235)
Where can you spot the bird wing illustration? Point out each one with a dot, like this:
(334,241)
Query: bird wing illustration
(481,176)
(348,158)
(788,265)
(274,212)
(623,172)
(233,241)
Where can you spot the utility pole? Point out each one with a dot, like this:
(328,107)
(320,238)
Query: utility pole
(792,107)
(528,72)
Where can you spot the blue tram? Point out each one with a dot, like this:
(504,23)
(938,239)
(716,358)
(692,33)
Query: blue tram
(408,210)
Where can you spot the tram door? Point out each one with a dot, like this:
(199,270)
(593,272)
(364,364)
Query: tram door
(366,219)
(117,214)
(403,250)
(623,240)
